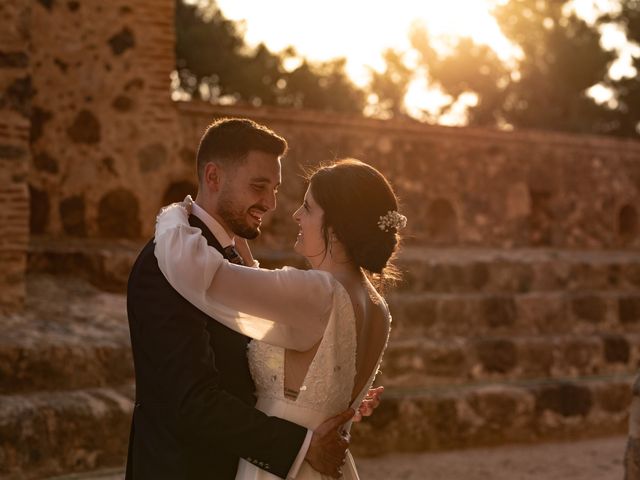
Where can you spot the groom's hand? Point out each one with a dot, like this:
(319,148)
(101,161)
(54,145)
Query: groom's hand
(328,448)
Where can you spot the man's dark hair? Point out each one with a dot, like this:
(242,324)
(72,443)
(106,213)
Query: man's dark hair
(228,141)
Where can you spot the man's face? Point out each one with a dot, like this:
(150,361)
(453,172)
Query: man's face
(248,191)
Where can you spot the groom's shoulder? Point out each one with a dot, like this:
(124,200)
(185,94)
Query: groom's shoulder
(146,261)
(147,253)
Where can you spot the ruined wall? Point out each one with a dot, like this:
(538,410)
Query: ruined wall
(109,148)
(14,151)
(104,128)
(468,186)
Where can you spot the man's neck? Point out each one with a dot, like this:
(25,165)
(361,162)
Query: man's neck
(207,207)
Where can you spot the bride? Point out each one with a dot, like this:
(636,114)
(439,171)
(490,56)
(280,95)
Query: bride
(323,331)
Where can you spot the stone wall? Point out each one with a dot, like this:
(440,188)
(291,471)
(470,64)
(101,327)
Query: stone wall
(14,151)
(468,186)
(104,127)
(110,148)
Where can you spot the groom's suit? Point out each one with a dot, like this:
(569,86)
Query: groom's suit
(194,414)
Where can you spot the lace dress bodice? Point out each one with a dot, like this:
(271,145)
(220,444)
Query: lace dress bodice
(329,382)
(326,390)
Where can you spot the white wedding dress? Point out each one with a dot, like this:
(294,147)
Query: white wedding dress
(325,392)
(285,308)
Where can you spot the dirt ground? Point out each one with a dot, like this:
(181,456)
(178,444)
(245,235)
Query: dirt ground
(599,459)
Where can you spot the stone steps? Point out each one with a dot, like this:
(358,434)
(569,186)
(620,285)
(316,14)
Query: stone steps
(70,336)
(518,270)
(439,315)
(52,433)
(106,263)
(63,365)
(61,433)
(448,417)
(413,361)
(425,362)
(102,474)
(502,347)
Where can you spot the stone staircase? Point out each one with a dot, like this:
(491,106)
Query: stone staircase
(488,347)
(66,380)
(499,346)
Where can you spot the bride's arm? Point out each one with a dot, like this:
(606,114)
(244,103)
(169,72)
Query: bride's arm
(286,307)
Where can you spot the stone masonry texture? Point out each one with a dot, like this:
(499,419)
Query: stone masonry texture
(15,92)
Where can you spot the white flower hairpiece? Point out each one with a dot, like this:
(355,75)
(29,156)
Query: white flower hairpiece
(392,219)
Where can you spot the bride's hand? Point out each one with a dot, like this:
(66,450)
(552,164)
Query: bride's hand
(167,219)
(187,204)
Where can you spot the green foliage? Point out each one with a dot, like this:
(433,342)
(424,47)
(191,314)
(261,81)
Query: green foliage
(390,86)
(211,53)
(468,68)
(546,88)
(322,86)
(627,119)
(561,59)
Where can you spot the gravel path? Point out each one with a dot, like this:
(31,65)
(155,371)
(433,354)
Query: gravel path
(599,459)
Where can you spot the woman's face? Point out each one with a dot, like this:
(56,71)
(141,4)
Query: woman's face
(309,217)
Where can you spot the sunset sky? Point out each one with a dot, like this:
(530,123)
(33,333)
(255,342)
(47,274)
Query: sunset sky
(361,30)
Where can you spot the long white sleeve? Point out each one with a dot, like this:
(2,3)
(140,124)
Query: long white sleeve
(286,307)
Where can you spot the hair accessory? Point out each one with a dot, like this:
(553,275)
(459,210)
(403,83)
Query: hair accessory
(392,219)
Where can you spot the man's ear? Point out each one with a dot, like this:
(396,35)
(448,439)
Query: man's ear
(212,177)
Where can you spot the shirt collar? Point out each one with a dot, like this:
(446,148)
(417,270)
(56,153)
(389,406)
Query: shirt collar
(212,224)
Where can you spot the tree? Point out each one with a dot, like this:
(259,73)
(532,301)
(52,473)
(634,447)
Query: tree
(627,90)
(390,86)
(212,56)
(562,58)
(322,86)
(468,68)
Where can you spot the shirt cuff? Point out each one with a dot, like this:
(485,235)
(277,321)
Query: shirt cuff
(297,464)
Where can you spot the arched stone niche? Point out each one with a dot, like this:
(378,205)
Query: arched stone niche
(178,190)
(119,215)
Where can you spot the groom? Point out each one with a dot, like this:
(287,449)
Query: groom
(194,416)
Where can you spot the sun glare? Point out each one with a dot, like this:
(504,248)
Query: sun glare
(361,30)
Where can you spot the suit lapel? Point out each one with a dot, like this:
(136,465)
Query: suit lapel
(206,233)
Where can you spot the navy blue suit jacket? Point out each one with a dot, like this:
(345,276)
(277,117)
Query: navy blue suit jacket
(194,415)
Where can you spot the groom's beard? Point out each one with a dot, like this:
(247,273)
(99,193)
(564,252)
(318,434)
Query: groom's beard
(236,219)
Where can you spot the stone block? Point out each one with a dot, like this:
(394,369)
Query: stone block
(542,312)
(496,355)
(589,308)
(499,311)
(616,348)
(62,432)
(566,399)
(629,310)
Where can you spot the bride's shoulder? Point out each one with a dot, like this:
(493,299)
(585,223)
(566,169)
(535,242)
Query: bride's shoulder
(381,316)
